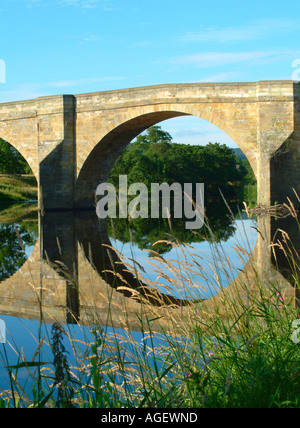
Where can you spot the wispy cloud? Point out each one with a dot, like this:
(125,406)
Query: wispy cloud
(254,30)
(83,4)
(214,59)
(142,44)
(193,130)
(28,91)
(79,82)
(91,38)
(221,77)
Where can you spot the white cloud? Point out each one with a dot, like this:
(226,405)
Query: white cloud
(91,38)
(195,131)
(142,44)
(78,82)
(83,4)
(21,92)
(254,30)
(221,77)
(27,91)
(214,59)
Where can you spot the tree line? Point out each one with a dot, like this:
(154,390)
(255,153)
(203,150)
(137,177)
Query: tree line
(154,158)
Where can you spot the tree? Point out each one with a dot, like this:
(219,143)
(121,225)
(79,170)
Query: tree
(154,158)
(11,161)
(13,241)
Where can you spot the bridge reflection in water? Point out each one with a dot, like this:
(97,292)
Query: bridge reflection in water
(70,276)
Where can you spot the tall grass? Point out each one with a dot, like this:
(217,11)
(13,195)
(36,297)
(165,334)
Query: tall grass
(17,188)
(231,351)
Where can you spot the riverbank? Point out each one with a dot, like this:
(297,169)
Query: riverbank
(17,188)
(13,213)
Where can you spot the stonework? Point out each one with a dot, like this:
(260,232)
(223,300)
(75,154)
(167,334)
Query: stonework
(71,141)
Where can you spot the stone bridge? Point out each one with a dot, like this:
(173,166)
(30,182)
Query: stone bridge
(72,141)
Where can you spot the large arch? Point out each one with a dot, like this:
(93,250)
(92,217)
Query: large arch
(103,155)
(61,137)
(98,164)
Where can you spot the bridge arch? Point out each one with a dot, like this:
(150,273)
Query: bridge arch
(103,153)
(127,126)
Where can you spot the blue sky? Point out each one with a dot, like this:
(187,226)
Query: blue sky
(52,47)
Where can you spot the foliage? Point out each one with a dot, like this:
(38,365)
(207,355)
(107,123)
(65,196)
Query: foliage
(15,188)
(154,158)
(65,391)
(11,161)
(144,232)
(13,240)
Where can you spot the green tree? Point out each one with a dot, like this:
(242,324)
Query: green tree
(11,161)
(14,239)
(154,158)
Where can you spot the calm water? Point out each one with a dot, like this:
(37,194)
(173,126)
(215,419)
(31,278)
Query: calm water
(57,237)
(216,258)
(135,241)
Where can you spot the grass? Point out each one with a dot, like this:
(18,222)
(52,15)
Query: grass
(231,352)
(17,188)
(18,212)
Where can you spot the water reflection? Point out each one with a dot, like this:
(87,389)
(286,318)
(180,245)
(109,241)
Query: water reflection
(285,234)
(144,233)
(17,239)
(62,236)
(133,237)
(160,247)
(71,245)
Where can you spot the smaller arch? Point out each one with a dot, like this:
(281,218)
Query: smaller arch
(18,182)
(22,150)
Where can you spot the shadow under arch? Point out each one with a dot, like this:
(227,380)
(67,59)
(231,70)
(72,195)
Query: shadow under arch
(92,236)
